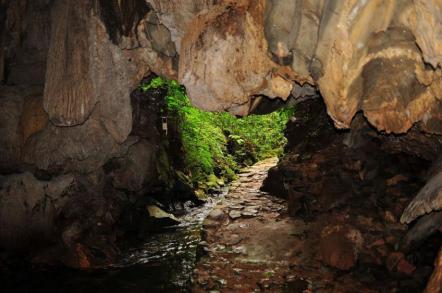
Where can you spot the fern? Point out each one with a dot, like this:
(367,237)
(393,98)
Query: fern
(206,136)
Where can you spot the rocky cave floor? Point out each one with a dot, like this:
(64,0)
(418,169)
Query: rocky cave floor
(331,239)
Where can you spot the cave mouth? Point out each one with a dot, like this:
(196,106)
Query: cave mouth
(202,151)
(129,192)
(219,210)
(179,166)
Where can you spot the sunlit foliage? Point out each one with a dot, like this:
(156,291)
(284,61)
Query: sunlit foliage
(219,143)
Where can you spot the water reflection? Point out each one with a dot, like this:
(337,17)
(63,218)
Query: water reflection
(163,264)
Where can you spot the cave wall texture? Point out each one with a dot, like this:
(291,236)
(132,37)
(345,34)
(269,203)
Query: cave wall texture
(67,68)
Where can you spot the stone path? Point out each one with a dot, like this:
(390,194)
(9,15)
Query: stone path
(249,241)
(252,245)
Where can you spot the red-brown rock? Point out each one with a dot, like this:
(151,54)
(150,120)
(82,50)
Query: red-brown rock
(405,267)
(338,248)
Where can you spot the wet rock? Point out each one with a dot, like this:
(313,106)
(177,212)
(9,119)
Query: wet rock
(213,182)
(236,207)
(200,194)
(216,214)
(249,213)
(208,223)
(161,216)
(235,214)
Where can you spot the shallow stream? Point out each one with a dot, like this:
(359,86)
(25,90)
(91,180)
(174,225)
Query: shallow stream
(164,263)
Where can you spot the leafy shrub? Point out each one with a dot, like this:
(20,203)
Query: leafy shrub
(219,143)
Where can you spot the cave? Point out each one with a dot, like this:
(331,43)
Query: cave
(220,146)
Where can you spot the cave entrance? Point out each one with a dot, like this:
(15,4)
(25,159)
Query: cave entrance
(335,199)
(206,150)
(326,217)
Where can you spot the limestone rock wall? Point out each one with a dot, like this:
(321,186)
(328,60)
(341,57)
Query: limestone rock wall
(379,57)
(67,69)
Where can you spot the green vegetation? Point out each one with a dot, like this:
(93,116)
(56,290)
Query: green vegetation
(217,145)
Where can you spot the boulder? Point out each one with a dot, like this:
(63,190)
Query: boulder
(28,208)
(161,217)
(136,169)
(83,148)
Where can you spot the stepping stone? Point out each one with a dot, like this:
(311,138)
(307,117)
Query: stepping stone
(216,214)
(236,207)
(235,214)
(249,213)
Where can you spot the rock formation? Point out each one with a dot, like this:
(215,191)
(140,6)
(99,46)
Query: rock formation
(68,67)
